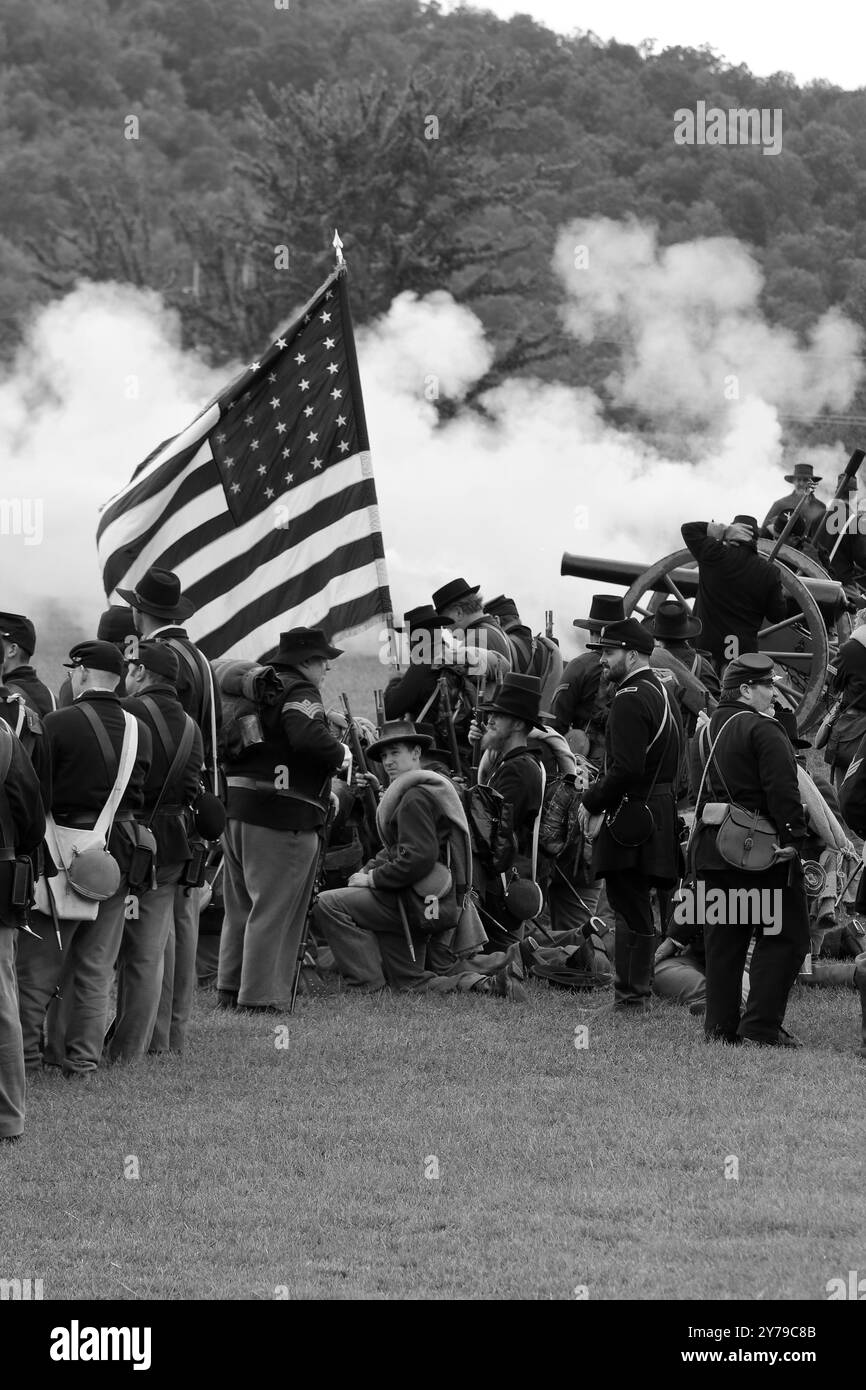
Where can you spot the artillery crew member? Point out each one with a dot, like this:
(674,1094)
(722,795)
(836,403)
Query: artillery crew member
(751,766)
(17,645)
(22,825)
(160,609)
(737,587)
(152,698)
(637,848)
(812,512)
(84,750)
(412,695)
(278,797)
(504,610)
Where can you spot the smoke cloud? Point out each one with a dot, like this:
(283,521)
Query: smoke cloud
(102,379)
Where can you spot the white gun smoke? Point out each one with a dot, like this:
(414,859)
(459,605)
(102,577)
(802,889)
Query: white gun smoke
(101,379)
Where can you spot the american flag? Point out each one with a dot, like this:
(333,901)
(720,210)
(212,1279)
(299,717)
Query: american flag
(265,506)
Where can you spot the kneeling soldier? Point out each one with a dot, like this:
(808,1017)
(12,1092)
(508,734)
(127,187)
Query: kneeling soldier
(415,881)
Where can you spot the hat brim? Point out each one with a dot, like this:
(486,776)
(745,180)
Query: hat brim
(616,647)
(534,720)
(590,624)
(184,608)
(294,656)
(693,627)
(458,598)
(375,750)
(792,478)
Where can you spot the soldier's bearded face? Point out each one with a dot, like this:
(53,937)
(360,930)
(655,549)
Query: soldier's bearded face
(614,662)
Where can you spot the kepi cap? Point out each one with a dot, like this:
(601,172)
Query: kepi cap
(96,656)
(16,628)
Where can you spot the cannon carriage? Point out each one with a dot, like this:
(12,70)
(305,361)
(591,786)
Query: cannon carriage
(820,605)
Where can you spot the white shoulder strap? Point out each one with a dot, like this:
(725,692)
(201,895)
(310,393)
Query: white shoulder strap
(537,826)
(665,717)
(124,772)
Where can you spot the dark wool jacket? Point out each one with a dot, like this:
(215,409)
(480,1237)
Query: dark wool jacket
(407,695)
(80,782)
(24,817)
(850,680)
(193,687)
(517,778)
(24,681)
(737,589)
(292,767)
(173,823)
(632,760)
(754,767)
(578,699)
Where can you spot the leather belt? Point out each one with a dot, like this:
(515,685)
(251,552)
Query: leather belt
(88,822)
(258,784)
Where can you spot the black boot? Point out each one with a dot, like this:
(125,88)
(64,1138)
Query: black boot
(227,998)
(634,957)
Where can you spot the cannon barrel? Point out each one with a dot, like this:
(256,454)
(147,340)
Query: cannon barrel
(623,572)
(827,593)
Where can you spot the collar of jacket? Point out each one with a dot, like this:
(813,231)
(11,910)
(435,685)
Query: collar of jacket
(169,628)
(637,671)
(97,695)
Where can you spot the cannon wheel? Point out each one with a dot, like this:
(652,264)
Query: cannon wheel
(804,660)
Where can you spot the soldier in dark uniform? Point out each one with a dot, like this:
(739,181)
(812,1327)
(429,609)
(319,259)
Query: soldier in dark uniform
(516,774)
(504,610)
(475,629)
(644,742)
(22,825)
(278,797)
(27,725)
(81,780)
(152,698)
(17,645)
(115,625)
(813,511)
(737,587)
(674,631)
(160,608)
(413,695)
(753,765)
(582,698)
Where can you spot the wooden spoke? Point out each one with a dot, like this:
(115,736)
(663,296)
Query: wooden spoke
(677,594)
(777,627)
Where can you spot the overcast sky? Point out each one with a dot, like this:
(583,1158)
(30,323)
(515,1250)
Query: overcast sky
(821,41)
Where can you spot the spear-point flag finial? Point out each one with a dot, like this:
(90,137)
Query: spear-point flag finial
(338,247)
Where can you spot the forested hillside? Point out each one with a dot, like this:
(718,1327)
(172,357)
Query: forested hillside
(258,127)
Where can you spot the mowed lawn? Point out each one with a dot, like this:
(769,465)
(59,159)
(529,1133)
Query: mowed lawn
(300,1171)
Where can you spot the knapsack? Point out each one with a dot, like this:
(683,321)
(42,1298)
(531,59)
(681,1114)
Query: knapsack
(491,827)
(582,966)
(247,689)
(559,823)
(546,664)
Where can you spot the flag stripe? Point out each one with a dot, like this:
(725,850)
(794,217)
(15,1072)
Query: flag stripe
(160,474)
(306,597)
(220,506)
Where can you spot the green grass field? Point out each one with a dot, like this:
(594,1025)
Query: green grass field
(299,1171)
